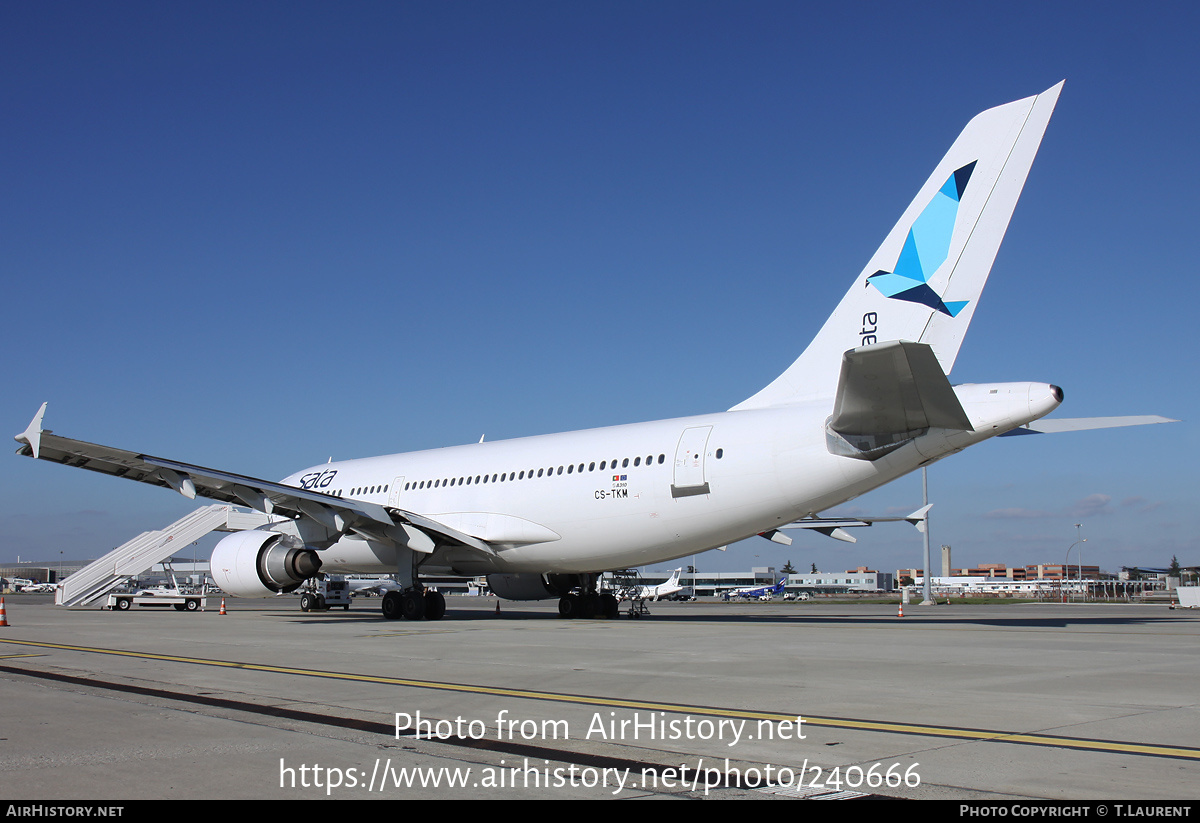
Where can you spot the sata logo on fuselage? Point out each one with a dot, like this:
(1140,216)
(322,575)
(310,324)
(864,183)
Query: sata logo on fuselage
(318,480)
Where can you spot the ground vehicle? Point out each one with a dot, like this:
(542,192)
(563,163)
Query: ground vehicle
(320,594)
(157,598)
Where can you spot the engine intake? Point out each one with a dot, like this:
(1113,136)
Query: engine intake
(262,564)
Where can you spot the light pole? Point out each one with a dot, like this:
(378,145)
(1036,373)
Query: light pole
(1067,561)
(927,588)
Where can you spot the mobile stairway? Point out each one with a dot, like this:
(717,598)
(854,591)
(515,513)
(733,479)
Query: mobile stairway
(100,577)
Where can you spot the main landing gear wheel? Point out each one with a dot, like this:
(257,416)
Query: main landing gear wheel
(435,605)
(583,606)
(391,606)
(609,607)
(307,603)
(412,604)
(569,606)
(589,605)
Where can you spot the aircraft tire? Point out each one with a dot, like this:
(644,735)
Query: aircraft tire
(589,606)
(412,605)
(609,606)
(568,606)
(435,605)
(306,603)
(391,606)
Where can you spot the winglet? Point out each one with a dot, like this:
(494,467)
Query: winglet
(920,517)
(32,436)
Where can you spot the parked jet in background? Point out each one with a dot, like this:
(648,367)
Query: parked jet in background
(37,588)
(371,587)
(665,589)
(759,593)
(867,402)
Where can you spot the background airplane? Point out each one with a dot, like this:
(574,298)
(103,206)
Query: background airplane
(752,593)
(658,591)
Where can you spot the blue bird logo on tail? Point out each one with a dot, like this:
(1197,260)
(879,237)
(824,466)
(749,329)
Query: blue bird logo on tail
(926,248)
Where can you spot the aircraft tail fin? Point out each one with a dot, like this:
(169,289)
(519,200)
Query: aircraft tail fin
(924,282)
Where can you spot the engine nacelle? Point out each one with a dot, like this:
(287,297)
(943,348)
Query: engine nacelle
(532,586)
(262,563)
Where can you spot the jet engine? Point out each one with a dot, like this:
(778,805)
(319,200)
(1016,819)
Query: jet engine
(262,563)
(532,586)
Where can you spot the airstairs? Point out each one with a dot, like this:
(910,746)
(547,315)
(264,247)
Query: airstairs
(98,578)
(627,585)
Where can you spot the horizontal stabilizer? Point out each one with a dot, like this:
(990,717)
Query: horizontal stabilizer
(894,388)
(1075,424)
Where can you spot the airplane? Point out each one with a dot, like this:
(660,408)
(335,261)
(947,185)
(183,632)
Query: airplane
(867,402)
(371,587)
(665,589)
(759,593)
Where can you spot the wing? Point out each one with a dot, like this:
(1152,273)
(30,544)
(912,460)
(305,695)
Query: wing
(337,514)
(835,526)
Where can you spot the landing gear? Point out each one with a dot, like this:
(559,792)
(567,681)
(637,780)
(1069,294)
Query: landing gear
(435,605)
(391,606)
(414,604)
(588,602)
(609,606)
(414,601)
(570,606)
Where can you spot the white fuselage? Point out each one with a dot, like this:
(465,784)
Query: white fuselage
(633,495)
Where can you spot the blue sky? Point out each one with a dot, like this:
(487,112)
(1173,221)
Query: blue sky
(257,235)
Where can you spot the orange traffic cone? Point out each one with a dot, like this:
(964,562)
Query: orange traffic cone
(901,614)
(3,616)
(222,606)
